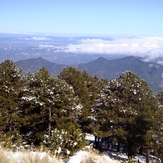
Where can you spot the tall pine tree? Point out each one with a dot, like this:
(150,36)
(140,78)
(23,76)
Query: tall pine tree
(47,103)
(87,89)
(134,110)
(10,84)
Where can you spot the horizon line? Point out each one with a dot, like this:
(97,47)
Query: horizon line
(76,34)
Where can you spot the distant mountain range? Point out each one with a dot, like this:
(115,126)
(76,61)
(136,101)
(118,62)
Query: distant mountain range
(34,64)
(151,72)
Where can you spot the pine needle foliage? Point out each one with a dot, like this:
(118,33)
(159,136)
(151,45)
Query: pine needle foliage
(131,109)
(65,142)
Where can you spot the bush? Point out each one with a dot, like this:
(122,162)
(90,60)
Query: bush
(65,142)
(6,142)
(13,142)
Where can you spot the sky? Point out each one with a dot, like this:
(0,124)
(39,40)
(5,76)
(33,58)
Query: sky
(89,17)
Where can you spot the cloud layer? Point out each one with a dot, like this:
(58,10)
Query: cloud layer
(37,38)
(148,47)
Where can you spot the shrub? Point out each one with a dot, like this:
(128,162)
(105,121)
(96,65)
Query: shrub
(13,142)
(65,142)
(6,141)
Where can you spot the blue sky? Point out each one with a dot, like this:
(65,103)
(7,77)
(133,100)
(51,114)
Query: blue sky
(91,17)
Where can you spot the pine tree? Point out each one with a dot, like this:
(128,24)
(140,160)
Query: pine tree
(47,103)
(10,84)
(158,137)
(74,77)
(87,89)
(134,110)
(100,123)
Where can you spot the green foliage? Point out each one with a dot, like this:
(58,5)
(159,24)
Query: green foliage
(65,142)
(13,142)
(99,112)
(36,104)
(46,103)
(131,110)
(158,137)
(6,141)
(10,83)
(87,89)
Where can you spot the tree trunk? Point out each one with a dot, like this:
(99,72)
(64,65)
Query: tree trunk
(118,146)
(140,150)
(96,142)
(147,155)
(130,149)
(49,126)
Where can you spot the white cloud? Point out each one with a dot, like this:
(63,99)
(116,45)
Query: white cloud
(46,46)
(160,62)
(40,38)
(37,38)
(149,47)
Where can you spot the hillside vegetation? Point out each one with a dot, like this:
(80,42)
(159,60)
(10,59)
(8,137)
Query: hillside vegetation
(54,113)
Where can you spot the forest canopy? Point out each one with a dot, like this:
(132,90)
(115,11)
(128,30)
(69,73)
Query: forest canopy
(37,104)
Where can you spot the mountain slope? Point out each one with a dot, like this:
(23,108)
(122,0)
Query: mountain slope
(103,68)
(34,64)
(152,73)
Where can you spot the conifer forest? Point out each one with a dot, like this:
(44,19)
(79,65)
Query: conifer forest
(52,111)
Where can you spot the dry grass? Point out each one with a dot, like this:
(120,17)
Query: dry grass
(26,157)
(88,160)
(35,157)
(89,156)
(94,158)
(4,156)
